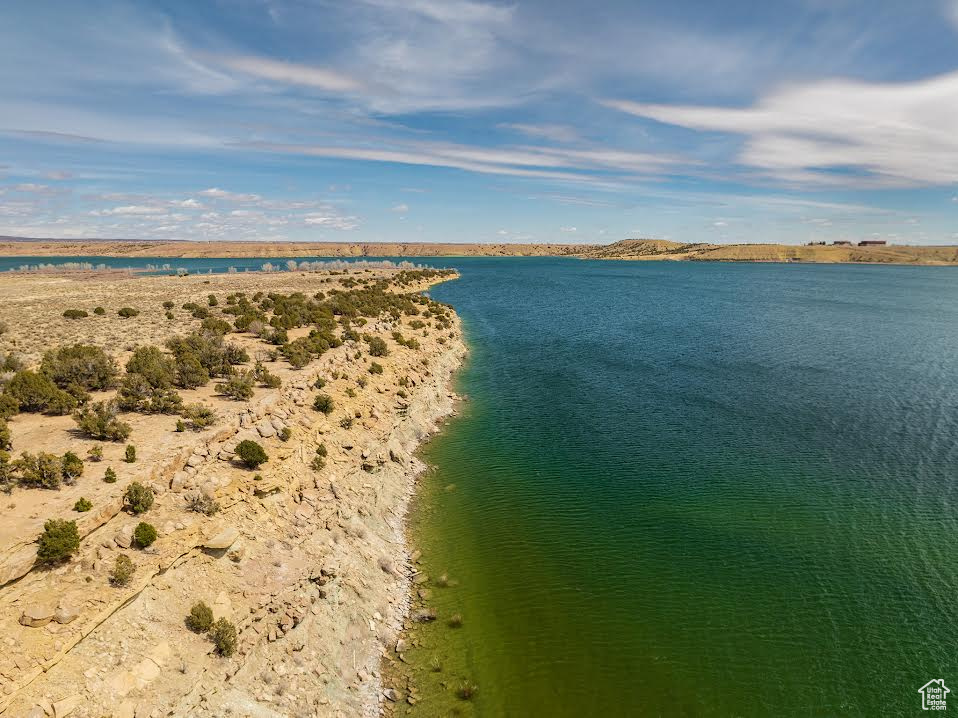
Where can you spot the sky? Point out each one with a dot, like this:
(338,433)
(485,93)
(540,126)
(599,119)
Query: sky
(480,121)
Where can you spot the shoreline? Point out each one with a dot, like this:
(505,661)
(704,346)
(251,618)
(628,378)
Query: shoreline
(326,550)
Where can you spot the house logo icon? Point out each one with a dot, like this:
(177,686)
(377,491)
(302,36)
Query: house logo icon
(934,694)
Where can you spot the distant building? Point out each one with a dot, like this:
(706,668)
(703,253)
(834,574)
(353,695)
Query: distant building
(815,244)
(842,243)
(872,243)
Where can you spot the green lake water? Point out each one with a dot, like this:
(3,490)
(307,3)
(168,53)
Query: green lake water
(686,489)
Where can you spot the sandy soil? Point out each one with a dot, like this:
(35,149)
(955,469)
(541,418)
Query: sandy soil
(310,566)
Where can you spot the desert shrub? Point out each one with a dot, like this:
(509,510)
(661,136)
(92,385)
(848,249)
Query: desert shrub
(324,403)
(170,315)
(9,406)
(211,300)
(95,453)
(190,373)
(319,383)
(321,450)
(212,353)
(72,467)
(200,618)
(285,433)
(350,392)
(199,416)
(202,504)
(138,498)
(223,634)
(346,422)
(251,454)
(264,377)
(6,439)
(43,470)
(11,362)
(144,534)
(375,368)
(75,314)
(58,542)
(129,455)
(99,421)
(377,346)
(214,325)
(168,305)
(318,463)
(416,324)
(82,505)
(99,311)
(109,476)
(239,386)
(136,394)
(80,365)
(36,392)
(128,312)
(200,313)
(153,365)
(123,570)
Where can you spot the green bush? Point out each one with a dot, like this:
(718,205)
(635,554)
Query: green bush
(58,542)
(211,300)
(43,471)
(239,386)
(200,619)
(95,453)
(136,394)
(251,454)
(168,305)
(99,311)
(127,312)
(9,406)
(285,433)
(72,467)
(144,534)
(180,426)
(199,416)
(190,373)
(37,392)
(375,368)
(223,634)
(82,505)
(153,365)
(75,314)
(324,403)
(109,476)
(99,421)
(80,365)
(318,463)
(214,325)
(129,456)
(6,438)
(138,498)
(264,377)
(377,346)
(123,570)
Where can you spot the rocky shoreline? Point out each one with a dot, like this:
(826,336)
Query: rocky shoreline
(312,567)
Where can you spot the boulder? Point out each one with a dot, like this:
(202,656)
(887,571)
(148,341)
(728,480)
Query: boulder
(36,615)
(124,537)
(195,460)
(223,539)
(66,706)
(265,429)
(65,613)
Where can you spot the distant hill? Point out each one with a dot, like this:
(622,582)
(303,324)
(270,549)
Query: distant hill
(626,249)
(659,249)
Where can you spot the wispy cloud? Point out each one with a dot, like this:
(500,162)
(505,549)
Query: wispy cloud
(291,73)
(838,131)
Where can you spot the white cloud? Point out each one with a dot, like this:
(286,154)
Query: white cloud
(838,131)
(188,203)
(292,73)
(568,230)
(555,133)
(400,208)
(130,210)
(217,193)
(331,221)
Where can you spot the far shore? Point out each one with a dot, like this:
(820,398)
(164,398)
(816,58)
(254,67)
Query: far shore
(624,250)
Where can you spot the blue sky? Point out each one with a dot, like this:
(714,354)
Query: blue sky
(474,121)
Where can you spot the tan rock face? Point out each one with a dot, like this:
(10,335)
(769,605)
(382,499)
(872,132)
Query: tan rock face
(223,539)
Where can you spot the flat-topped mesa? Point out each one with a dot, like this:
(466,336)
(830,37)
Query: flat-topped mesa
(286,550)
